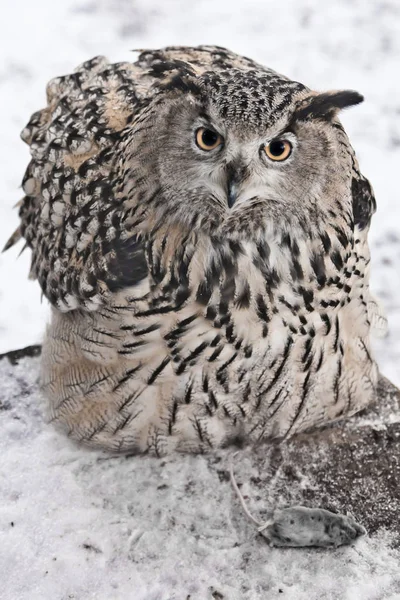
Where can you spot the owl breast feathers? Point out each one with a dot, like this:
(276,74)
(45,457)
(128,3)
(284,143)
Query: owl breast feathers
(199,225)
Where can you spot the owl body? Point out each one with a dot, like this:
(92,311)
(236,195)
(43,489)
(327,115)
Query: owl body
(204,288)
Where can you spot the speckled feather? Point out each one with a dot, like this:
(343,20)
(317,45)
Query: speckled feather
(179,322)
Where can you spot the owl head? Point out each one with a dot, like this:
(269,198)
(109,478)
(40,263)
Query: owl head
(235,152)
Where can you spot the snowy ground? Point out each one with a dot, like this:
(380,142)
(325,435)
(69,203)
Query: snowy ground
(81,525)
(342,44)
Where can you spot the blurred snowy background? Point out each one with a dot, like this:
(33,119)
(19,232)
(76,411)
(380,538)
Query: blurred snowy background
(342,44)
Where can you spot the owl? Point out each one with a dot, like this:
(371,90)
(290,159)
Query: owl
(199,225)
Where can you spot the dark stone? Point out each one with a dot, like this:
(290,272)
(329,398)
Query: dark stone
(15,355)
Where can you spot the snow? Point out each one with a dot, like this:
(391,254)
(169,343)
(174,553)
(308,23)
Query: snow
(155,542)
(80,524)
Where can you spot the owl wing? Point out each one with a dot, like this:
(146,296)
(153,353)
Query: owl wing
(364,203)
(70,216)
(364,206)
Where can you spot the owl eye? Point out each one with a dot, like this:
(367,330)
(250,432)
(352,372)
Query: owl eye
(207,139)
(278,150)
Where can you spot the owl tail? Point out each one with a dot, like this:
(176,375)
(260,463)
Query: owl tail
(16,236)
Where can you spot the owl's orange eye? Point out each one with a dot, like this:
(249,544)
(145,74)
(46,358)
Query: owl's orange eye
(208,139)
(278,150)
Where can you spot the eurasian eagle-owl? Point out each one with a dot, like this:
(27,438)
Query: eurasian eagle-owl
(199,224)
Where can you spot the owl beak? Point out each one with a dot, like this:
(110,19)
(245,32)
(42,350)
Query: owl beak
(234,175)
(232,193)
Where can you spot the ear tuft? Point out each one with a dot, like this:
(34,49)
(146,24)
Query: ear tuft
(326,104)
